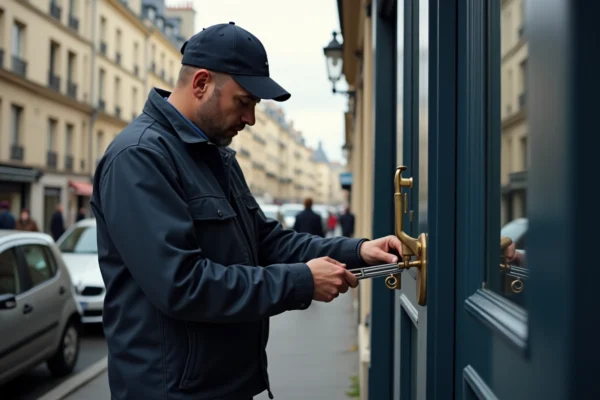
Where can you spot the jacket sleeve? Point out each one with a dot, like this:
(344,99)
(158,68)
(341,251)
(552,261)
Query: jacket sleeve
(147,219)
(285,245)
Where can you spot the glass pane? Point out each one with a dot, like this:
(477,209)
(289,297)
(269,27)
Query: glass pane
(9,273)
(423,141)
(37,265)
(509,277)
(81,240)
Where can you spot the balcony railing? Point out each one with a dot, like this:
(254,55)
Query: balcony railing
(53,81)
(51,159)
(19,66)
(16,152)
(55,10)
(69,163)
(73,22)
(72,89)
(101,105)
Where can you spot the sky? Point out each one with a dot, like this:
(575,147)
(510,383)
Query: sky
(294,34)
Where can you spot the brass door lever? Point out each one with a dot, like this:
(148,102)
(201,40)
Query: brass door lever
(411,247)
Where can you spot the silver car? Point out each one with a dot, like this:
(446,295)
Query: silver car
(39,317)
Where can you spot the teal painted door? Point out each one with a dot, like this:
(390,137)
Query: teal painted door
(426,134)
(525,80)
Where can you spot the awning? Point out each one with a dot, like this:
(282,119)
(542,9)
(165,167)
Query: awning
(81,188)
(19,174)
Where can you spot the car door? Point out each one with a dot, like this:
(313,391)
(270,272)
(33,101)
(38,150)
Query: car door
(46,295)
(19,338)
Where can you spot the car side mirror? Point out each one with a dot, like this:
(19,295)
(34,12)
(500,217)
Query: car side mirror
(8,301)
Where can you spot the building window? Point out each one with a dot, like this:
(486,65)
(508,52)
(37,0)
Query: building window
(101,79)
(151,13)
(99,144)
(16,123)
(69,140)
(118,45)
(52,123)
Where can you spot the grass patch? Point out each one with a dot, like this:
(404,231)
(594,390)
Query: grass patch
(354,390)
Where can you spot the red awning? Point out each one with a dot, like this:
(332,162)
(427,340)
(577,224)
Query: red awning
(81,188)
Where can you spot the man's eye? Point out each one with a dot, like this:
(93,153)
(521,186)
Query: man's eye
(244,103)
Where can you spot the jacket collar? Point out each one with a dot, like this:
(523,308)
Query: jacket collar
(157,108)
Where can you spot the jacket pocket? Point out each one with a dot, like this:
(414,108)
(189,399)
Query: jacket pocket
(220,356)
(214,220)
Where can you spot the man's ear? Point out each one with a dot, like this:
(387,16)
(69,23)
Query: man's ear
(200,82)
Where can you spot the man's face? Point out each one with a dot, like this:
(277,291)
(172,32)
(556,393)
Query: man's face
(225,110)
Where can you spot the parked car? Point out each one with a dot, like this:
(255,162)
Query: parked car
(289,212)
(273,211)
(40,319)
(80,251)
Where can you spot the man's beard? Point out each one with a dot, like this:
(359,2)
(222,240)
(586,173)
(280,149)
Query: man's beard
(212,120)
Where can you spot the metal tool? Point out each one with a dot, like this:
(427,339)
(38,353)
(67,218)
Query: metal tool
(376,271)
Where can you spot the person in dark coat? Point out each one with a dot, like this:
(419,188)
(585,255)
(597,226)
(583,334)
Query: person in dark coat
(346,222)
(57,223)
(7,220)
(308,221)
(193,269)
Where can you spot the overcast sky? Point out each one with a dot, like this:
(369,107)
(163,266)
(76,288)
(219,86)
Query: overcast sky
(294,34)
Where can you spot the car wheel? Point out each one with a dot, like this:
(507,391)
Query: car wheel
(63,362)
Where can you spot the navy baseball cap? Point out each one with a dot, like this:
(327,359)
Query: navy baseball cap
(234,51)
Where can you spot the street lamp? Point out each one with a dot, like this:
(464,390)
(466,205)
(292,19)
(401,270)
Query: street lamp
(334,53)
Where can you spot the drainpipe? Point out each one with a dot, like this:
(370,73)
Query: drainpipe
(93,99)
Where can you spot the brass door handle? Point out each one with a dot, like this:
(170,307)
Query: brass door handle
(411,247)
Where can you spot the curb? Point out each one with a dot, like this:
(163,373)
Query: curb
(81,379)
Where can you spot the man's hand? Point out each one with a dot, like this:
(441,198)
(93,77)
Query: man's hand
(331,278)
(378,251)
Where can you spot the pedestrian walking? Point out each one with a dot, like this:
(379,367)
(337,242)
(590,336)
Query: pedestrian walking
(308,221)
(193,268)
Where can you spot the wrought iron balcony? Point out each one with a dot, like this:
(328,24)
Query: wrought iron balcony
(51,159)
(16,153)
(19,66)
(69,163)
(53,81)
(72,89)
(55,10)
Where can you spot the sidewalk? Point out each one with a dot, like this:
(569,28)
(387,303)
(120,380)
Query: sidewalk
(310,355)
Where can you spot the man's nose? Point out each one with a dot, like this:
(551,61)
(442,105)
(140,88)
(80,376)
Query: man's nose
(249,118)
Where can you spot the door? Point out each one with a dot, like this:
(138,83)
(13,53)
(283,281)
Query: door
(426,137)
(527,104)
(46,295)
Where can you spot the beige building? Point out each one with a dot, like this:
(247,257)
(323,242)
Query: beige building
(278,166)
(514,161)
(72,75)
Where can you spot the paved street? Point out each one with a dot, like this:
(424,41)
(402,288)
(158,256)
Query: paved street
(310,355)
(38,381)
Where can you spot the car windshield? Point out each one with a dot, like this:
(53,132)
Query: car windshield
(270,214)
(291,212)
(514,229)
(81,240)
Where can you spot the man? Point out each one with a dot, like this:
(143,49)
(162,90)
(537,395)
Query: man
(308,221)
(7,221)
(193,269)
(347,223)
(57,223)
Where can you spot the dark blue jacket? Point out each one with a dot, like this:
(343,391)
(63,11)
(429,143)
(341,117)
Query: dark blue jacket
(308,221)
(192,267)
